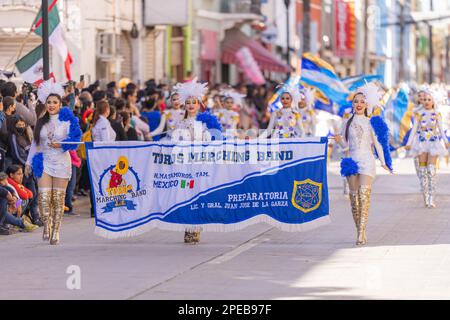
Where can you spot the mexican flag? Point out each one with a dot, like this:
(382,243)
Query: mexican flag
(31,66)
(56,34)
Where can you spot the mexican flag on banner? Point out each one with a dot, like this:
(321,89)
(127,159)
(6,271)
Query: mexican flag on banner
(31,66)
(56,34)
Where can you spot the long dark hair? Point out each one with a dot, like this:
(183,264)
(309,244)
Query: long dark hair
(349,122)
(44,119)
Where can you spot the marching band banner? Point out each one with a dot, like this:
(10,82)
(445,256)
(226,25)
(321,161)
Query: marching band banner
(219,186)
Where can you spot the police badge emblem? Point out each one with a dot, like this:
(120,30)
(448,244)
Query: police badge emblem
(307,195)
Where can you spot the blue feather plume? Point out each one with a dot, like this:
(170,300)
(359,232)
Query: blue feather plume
(37,164)
(382,133)
(209,120)
(74,130)
(349,167)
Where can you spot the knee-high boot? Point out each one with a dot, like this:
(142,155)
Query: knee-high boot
(423,178)
(58,196)
(45,211)
(356,210)
(431,177)
(364,200)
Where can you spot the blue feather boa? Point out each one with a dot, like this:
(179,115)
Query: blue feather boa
(74,131)
(349,167)
(382,133)
(37,164)
(212,123)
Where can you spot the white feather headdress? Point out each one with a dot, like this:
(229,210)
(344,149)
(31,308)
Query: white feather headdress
(310,96)
(47,88)
(233,94)
(372,94)
(192,89)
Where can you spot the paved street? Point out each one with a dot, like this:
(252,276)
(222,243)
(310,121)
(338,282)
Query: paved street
(408,256)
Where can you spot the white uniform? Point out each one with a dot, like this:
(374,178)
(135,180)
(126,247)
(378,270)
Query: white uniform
(190,129)
(361,140)
(102,131)
(288,124)
(57,163)
(308,118)
(427,134)
(229,120)
(173,118)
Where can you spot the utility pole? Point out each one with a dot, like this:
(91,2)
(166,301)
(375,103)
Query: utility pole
(430,36)
(401,60)
(45,42)
(288,36)
(306,25)
(366,38)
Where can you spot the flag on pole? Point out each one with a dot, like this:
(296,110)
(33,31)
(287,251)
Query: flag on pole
(319,74)
(56,35)
(31,66)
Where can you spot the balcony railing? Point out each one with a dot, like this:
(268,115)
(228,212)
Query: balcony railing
(240,6)
(21,3)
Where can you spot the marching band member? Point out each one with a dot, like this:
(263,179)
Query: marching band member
(416,110)
(49,157)
(361,133)
(195,126)
(307,112)
(171,117)
(228,118)
(286,122)
(425,142)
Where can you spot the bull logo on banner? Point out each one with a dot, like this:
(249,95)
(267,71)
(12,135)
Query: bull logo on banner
(307,195)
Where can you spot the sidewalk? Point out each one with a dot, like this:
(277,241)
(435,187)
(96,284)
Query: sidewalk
(408,256)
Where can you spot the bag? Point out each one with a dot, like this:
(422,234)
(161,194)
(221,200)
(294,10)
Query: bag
(86,137)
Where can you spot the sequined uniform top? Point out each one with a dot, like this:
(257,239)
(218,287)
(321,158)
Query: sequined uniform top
(361,143)
(229,120)
(427,134)
(308,118)
(57,163)
(190,129)
(287,123)
(173,118)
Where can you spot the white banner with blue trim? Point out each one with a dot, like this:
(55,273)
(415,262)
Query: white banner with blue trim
(219,186)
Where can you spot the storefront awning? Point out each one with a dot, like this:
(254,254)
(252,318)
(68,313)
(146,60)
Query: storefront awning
(236,39)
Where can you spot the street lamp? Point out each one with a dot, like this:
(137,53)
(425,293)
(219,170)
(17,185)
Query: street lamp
(288,54)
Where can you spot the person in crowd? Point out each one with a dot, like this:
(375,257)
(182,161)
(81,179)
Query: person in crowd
(28,113)
(116,124)
(9,109)
(9,204)
(56,132)
(131,132)
(361,133)
(152,115)
(15,180)
(76,164)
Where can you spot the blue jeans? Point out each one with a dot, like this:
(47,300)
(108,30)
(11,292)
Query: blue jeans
(8,218)
(31,184)
(70,188)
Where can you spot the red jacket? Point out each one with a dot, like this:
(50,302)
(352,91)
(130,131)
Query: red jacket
(24,193)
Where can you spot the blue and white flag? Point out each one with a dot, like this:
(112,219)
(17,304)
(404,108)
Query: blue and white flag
(354,82)
(318,73)
(220,186)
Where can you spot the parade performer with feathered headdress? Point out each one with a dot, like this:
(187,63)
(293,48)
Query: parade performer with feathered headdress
(307,112)
(195,126)
(227,116)
(360,134)
(428,142)
(286,122)
(49,157)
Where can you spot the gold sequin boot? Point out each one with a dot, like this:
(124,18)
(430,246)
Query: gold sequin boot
(58,196)
(431,177)
(364,200)
(423,178)
(45,211)
(354,203)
